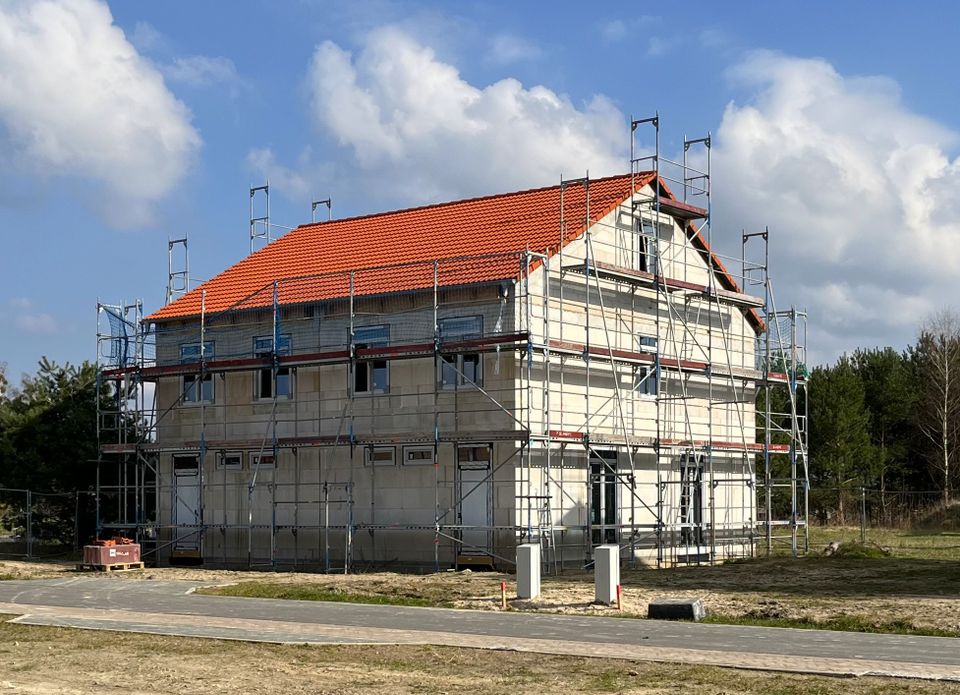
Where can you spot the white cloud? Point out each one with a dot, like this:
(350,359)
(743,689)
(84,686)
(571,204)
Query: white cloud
(508,48)
(77,100)
(860,194)
(294,183)
(614,30)
(413,121)
(203,71)
(36,323)
(147,38)
(30,321)
(20,303)
(714,37)
(660,45)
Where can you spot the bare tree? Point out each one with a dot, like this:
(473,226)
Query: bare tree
(938,362)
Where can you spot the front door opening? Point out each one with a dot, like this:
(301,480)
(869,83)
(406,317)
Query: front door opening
(691,499)
(475,512)
(604,497)
(186,506)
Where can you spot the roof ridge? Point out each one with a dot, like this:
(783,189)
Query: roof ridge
(459,201)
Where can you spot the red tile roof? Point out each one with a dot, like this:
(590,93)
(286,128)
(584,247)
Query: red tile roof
(393,251)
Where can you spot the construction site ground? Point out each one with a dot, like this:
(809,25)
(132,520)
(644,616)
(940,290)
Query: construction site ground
(916,587)
(68,661)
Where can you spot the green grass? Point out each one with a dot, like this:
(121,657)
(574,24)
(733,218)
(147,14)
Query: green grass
(916,544)
(306,592)
(851,623)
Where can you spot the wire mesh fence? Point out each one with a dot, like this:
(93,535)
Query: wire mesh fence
(37,525)
(862,506)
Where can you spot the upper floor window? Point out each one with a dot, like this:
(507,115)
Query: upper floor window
(647,343)
(268,384)
(645,380)
(462,369)
(649,251)
(371,376)
(194,387)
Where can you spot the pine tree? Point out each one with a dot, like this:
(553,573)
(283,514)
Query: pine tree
(839,429)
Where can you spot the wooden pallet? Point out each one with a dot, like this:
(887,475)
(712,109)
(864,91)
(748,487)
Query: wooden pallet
(117,567)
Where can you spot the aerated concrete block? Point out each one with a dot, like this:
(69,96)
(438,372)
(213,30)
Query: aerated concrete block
(606,573)
(676,609)
(528,570)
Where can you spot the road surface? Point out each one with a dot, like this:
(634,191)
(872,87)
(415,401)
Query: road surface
(171,608)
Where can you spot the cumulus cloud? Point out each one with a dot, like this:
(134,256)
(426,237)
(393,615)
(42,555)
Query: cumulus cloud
(203,71)
(413,121)
(661,45)
(78,100)
(296,183)
(28,319)
(859,192)
(37,323)
(614,30)
(508,48)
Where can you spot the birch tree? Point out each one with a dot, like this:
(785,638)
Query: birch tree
(938,358)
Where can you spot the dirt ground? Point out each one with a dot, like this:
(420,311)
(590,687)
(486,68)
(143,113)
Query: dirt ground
(922,593)
(64,661)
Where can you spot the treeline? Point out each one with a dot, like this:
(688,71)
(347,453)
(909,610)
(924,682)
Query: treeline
(890,420)
(48,437)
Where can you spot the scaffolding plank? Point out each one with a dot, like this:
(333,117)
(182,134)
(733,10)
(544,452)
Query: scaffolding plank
(335,356)
(681,210)
(610,271)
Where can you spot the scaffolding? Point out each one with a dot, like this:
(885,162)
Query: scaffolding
(626,388)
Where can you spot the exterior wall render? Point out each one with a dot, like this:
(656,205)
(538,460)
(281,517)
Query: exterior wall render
(396,507)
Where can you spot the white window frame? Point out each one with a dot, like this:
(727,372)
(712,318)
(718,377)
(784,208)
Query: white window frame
(370,452)
(472,461)
(649,234)
(264,466)
(192,386)
(222,455)
(371,365)
(407,450)
(195,470)
(458,360)
(644,343)
(643,378)
(262,346)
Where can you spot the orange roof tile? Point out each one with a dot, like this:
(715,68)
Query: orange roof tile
(393,251)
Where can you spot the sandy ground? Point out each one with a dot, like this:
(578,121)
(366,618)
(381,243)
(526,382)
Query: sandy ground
(922,593)
(55,660)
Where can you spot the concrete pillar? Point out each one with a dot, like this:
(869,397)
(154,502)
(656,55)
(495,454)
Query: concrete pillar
(606,573)
(528,570)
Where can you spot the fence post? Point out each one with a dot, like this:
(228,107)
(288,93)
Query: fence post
(76,521)
(29,525)
(863,514)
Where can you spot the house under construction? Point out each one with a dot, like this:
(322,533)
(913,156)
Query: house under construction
(570,366)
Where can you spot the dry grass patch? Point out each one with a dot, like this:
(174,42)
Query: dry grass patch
(63,660)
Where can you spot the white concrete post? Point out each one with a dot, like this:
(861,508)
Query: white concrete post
(606,564)
(528,570)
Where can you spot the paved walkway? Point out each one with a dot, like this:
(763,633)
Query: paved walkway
(170,608)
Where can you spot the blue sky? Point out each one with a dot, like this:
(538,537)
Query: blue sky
(124,124)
